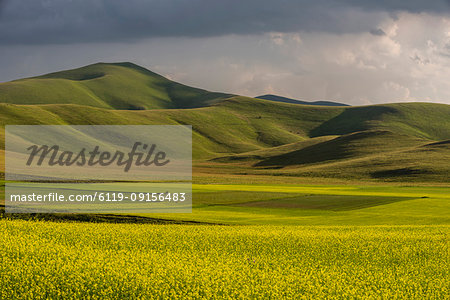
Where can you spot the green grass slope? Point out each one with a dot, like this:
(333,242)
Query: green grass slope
(105,85)
(239,124)
(352,145)
(294,101)
(427,120)
(410,164)
(247,136)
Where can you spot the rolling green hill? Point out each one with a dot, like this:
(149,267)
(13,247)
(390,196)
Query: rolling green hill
(294,101)
(106,85)
(241,135)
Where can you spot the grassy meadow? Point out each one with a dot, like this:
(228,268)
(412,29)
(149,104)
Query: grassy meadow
(289,201)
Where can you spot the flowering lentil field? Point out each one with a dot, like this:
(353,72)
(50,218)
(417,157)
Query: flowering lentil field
(42,260)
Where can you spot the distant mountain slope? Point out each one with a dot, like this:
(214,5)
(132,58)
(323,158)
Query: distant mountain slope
(107,85)
(425,120)
(293,101)
(240,124)
(248,136)
(354,145)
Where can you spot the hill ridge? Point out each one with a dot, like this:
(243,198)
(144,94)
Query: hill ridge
(122,85)
(277,98)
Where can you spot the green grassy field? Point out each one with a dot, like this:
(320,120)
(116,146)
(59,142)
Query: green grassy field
(288,204)
(318,205)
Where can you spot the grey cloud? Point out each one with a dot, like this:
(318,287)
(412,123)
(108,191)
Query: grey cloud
(377,32)
(2,4)
(445,50)
(322,66)
(66,21)
(413,6)
(420,60)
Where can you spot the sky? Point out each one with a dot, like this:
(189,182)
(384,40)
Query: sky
(356,52)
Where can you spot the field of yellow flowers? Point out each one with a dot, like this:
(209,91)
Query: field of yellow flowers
(42,260)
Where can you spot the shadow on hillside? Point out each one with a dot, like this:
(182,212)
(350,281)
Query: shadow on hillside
(326,151)
(401,172)
(352,119)
(338,148)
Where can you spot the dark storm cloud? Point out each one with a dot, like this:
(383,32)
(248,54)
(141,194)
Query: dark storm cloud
(378,32)
(413,6)
(2,3)
(67,21)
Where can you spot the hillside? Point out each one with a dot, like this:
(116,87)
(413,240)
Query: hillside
(294,101)
(248,136)
(107,85)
